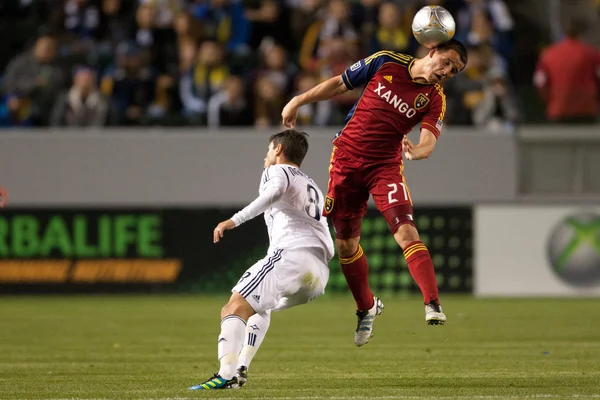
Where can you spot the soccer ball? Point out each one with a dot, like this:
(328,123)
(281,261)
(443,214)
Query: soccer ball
(433,25)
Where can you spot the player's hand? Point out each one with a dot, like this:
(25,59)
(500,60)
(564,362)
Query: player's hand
(3,197)
(221,228)
(407,147)
(289,115)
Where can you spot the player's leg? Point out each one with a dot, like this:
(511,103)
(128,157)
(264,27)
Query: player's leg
(231,338)
(301,277)
(254,293)
(392,197)
(256,330)
(346,205)
(421,268)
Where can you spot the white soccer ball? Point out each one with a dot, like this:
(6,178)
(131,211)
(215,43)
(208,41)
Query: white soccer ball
(433,25)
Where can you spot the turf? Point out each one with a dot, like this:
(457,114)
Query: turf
(143,347)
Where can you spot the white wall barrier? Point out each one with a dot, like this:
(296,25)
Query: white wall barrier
(537,250)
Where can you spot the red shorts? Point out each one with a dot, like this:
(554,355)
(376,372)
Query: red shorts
(351,182)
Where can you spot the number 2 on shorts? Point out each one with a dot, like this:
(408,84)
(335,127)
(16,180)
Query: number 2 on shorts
(393,191)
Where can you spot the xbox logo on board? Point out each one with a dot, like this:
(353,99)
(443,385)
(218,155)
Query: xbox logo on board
(574,250)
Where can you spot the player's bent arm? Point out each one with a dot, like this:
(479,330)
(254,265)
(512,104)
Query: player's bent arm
(266,199)
(427,142)
(269,196)
(323,91)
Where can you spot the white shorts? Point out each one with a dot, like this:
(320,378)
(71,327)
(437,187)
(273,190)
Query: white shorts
(284,278)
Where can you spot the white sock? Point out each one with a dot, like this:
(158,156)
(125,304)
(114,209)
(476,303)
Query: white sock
(256,330)
(231,338)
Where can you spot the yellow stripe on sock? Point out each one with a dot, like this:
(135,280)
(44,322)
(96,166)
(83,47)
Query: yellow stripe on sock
(355,257)
(409,248)
(414,249)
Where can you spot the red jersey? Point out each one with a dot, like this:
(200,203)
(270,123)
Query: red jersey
(568,75)
(391,104)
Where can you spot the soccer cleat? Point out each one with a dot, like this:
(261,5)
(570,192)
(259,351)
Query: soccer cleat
(364,327)
(242,375)
(434,314)
(216,382)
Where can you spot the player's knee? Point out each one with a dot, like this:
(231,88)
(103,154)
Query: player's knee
(406,234)
(347,247)
(237,305)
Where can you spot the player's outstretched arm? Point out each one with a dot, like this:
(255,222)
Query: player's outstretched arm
(422,150)
(323,91)
(273,189)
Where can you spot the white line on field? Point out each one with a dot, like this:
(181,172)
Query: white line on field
(399,397)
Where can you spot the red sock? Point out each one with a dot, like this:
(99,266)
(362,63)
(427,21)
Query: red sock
(356,271)
(421,268)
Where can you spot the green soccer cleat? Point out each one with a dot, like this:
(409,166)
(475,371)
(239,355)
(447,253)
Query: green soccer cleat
(217,382)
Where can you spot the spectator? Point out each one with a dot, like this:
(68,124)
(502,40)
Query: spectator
(276,67)
(365,19)
(82,20)
(229,106)
(302,16)
(486,21)
(318,113)
(497,111)
(336,23)
(83,104)
(187,28)
(154,38)
(269,19)
(225,22)
(269,103)
(14,112)
(130,84)
(117,20)
(568,78)
(340,56)
(482,94)
(34,78)
(390,34)
(203,80)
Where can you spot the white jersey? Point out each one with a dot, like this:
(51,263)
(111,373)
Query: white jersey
(292,204)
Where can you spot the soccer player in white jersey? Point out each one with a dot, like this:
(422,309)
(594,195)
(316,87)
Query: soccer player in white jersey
(295,270)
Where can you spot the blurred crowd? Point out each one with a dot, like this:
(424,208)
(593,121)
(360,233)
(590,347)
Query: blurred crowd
(228,62)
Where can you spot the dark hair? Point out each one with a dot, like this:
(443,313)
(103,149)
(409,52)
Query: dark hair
(573,27)
(457,46)
(294,143)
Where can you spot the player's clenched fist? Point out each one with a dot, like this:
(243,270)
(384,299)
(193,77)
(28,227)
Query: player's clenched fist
(289,115)
(408,147)
(221,228)
(3,197)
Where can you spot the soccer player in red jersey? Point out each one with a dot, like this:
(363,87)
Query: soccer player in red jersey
(399,92)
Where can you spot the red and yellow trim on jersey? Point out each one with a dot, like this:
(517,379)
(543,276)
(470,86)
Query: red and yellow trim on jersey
(350,260)
(434,129)
(331,158)
(405,184)
(440,91)
(401,58)
(419,246)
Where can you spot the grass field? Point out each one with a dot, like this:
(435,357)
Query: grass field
(138,347)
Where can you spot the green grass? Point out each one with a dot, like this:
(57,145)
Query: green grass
(139,347)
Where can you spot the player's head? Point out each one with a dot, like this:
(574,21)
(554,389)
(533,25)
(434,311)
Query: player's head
(289,146)
(445,61)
